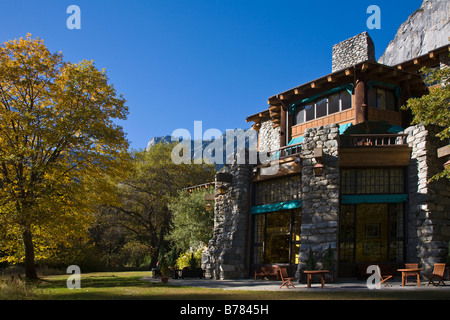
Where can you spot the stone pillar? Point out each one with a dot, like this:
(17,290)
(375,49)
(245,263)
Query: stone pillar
(226,257)
(428,227)
(320,195)
(353,51)
(269,137)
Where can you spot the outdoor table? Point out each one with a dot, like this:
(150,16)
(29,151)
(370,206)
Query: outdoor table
(411,272)
(321,272)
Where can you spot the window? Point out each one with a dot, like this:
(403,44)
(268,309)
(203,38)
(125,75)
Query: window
(299,116)
(321,108)
(372,181)
(278,190)
(310,112)
(334,104)
(324,106)
(277,237)
(346,100)
(371,233)
(382,98)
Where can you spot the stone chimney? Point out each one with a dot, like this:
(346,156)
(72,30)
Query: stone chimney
(352,51)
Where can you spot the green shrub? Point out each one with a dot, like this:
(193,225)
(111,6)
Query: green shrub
(190,258)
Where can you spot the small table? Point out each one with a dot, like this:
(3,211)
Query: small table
(321,272)
(410,272)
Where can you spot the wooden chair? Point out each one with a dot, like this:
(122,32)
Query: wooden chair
(383,278)
(438,274)
(267,271)
(259,273)
(287,281)
(271,271)
(411,274)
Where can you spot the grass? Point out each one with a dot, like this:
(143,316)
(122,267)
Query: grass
(129,286)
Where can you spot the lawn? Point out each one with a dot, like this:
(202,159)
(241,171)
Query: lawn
(129,286)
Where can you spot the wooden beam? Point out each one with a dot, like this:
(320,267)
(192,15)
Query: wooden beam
(365,67)
(271,108)
(444,151)
(331,79)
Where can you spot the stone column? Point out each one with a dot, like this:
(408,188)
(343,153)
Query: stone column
(320,195)
(227,253)
(428,227)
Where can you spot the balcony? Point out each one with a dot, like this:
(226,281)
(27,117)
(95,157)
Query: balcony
(285,152)
(283,161)
(372,140)
(374,150)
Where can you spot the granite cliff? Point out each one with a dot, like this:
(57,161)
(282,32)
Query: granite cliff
(426,29)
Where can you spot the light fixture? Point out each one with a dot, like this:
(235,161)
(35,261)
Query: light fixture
(318,170)
(221,190)
(208,207)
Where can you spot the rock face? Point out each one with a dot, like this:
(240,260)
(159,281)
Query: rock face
(426,29)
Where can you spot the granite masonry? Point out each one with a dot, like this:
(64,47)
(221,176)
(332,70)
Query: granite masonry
(429,201)
(269,137)
(320,194)
(226,257)
(428,207)
(352,51)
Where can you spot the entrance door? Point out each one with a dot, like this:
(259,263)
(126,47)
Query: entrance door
(372,233)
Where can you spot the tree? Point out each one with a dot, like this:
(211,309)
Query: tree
(58,146)
(434,108)
(192,223)
(153,181)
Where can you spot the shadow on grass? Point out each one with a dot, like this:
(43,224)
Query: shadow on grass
(134,288)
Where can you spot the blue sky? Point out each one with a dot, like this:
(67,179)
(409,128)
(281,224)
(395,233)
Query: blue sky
(216,61)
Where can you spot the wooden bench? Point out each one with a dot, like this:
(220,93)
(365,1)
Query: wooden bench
(268,271)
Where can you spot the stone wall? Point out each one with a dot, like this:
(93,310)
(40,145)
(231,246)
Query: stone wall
(226,255)
(429,203)
(320,195)
(352,51)
(269,137)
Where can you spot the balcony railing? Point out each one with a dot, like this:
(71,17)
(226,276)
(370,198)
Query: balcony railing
(373,140)
(285,152)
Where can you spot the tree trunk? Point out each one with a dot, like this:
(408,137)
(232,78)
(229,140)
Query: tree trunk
(30,269)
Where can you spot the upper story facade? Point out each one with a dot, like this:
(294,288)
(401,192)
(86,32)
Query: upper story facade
(358,91)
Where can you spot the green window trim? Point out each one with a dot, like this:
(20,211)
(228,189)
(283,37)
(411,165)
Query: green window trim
(374,198)
(280,206)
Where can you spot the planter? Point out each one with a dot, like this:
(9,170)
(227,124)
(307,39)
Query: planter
(196,273)
(164,279)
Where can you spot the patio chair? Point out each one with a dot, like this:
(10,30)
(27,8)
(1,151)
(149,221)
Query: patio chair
(383,278)
(287,281)
(438,274)
(411,274)
(259,273)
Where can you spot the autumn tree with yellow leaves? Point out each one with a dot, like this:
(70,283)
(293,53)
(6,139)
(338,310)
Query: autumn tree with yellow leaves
(59,145)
